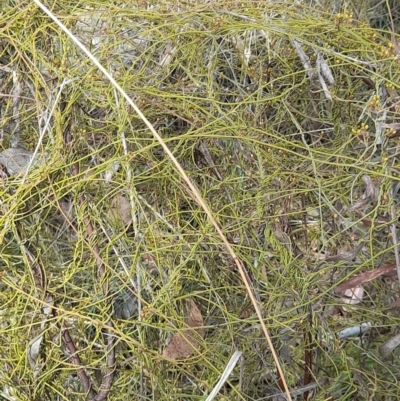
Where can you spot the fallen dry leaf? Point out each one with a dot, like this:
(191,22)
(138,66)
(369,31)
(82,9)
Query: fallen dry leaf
(120,210)
(370,194)
(364,277)
(347,256)
(182,345)
(15,160)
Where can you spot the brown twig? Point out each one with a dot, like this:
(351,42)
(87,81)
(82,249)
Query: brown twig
(76,360)
(393,230)
(108,377)
(308,355)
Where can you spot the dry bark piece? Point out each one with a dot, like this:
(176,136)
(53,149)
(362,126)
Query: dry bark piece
(353,296)
(182,345)
(364,277)
(387,348)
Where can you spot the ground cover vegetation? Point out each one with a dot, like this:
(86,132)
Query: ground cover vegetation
(114,283)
